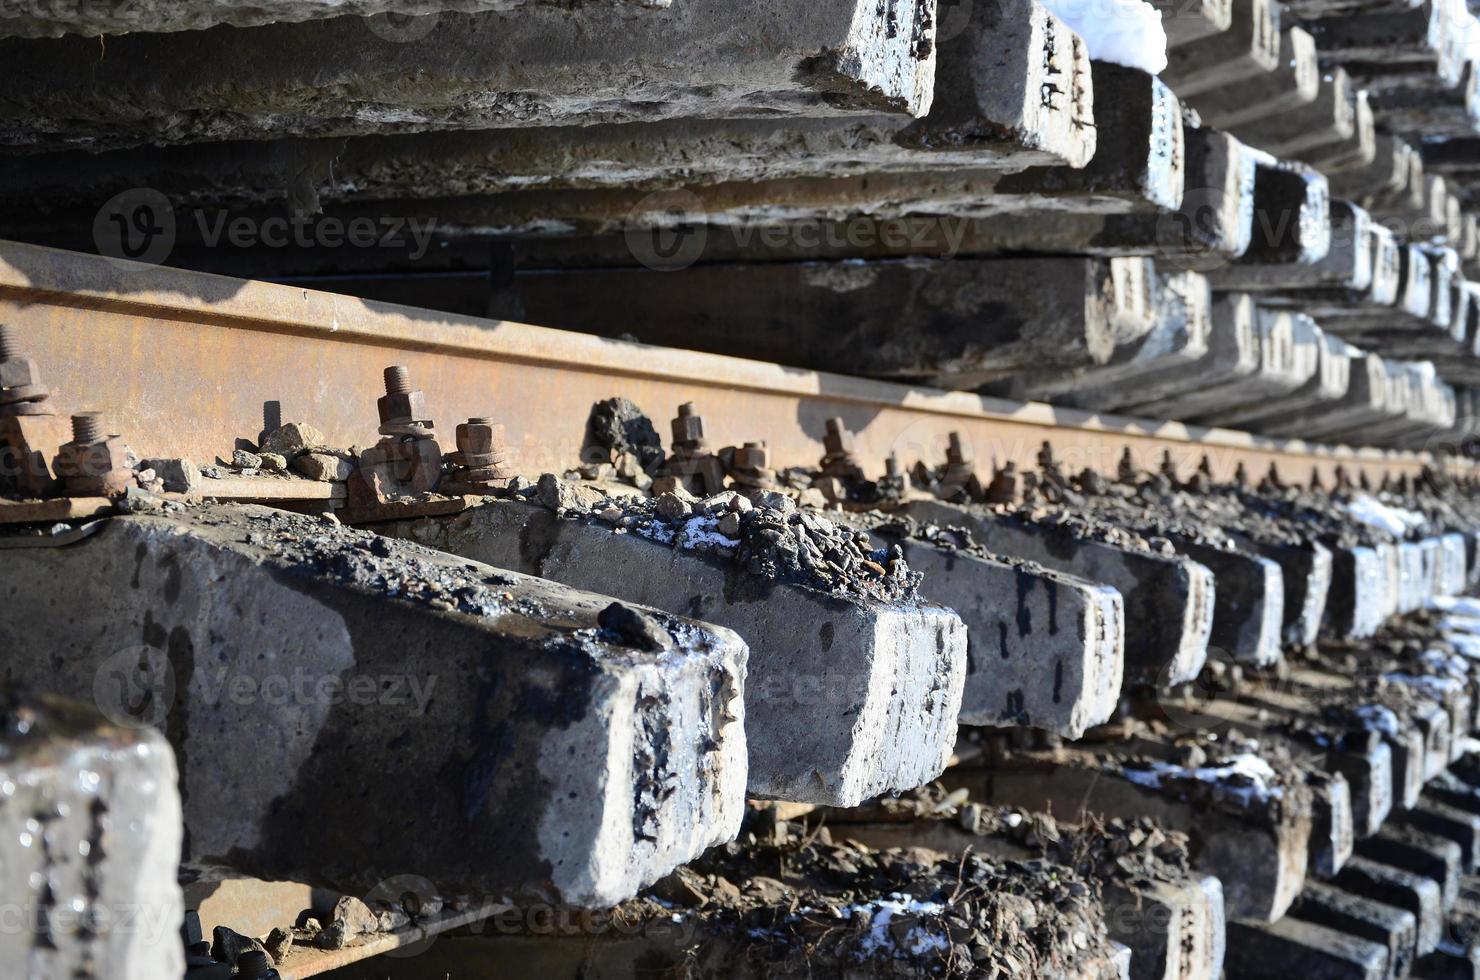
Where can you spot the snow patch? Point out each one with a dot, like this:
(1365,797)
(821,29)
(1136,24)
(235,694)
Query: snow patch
(1254,775)
(880,913)
(702,534)
(1376,718)
(1375,513)
(1126,32)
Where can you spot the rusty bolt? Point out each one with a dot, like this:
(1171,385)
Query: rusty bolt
(87,428)
(15,371)
(401,403)
(1048,462)
(480,437)
(752,456)
(1126,471)
(688,427)
(397,380)
(956,453)
(94,462)
(110,455)
(838,439)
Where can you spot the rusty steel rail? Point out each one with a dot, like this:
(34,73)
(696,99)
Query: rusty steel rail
(183,364)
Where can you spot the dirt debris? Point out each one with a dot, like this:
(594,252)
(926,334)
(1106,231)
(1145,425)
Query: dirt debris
(797,904)
(761,531)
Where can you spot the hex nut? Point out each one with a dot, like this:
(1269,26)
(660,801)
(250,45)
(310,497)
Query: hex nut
(837,443)
(688,428)
(478,439)
(752,457)
(99,459)
(411,406)
(21,372)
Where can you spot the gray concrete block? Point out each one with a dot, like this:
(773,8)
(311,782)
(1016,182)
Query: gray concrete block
(1145,155)
(1261,950)
(40,18)
(1287,353)
(1412,303)
(1368,400)
(1425,111)
(1209,223)
(1181,933)
(1357,600)
(1169,600)
(535,66)
(1402,889)
(1345,269)
(1294,82)
(1258,855)
(1413,36)
(990,111)
(1234,354)
(971,321)
(1307,572)
(90,838)
(1342,152)
(1255,354)
(1387,172)
(1451,790)
(1427,855)
(1392,928)
(847,697)
(1332,839)
(1328,383)
(1331,118)
(1045,650)
(1141,171)
(1178,336)
(312,679)
(1249,606)
(1451,961)
(1433,722)
(1174,926)
(1249,48)
(1188,22)
(1449,822)
(1292,216)
(1410,764)
(1423,407)
(1216,219)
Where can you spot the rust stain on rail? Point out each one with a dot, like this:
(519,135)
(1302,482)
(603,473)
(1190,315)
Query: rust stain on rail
(183,363)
